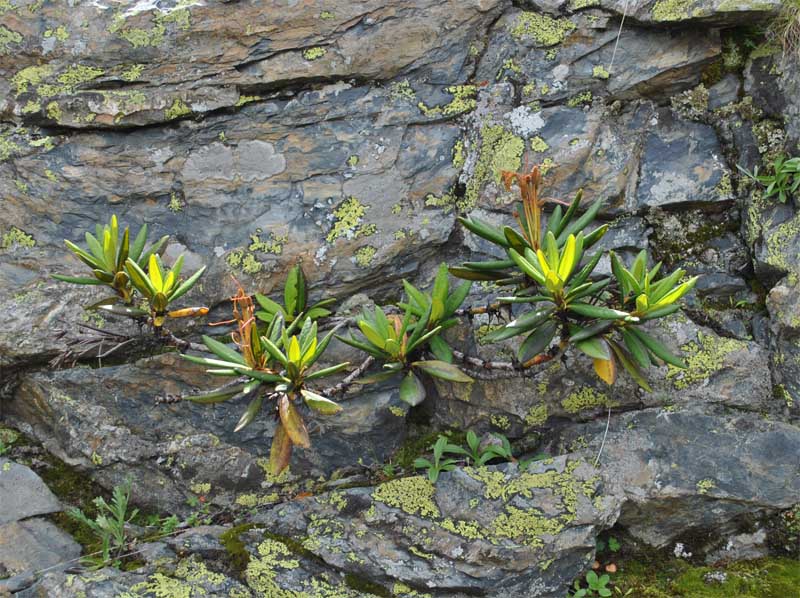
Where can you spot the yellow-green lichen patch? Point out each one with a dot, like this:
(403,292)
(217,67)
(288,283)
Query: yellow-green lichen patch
(54,111)
(539,145)
(243,261)
(349,221)
(500,421)
(260,572)
(132,73)
(705,486)
(7,38)
(314,53)
(579,4)
(191,578)
(458,154)
(365,255)
(60,33)
(45,142)
(326,15)
(500,150)
(546,31)
(16,238)
(446,202)
(352,161)
(585,397)
(177,109)
(671,10)
(7,146)
(32,75)
(254,500)
(77,75)
(580,99)
(413,495)
(274,244)
(599,72)
(397,411)
(402,91)
(463,101)
(779,240)
(31,106)
(537,415)
(243,99)
(703,358)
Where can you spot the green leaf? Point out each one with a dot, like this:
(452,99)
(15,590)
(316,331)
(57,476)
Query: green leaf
(319,403)
(573,207)
(77,279)
(537,341)
(223,351)
(327,371)
(123,310)
(597,311)
(630,367)
(275,352)
(250,413)
(636,348)
(371,334)
(657,348)
(441,285)
(587,270)
(123,250)
(153,249)
(489,265)
(515,240)
(187,285)
(216,396)
(376,377)
(267,304)
(595,347)
(441,349)
(422,339)
(294,292)
(584,333)
(217,363)
(412,390)
(139,279)
(442,369)
(85,257)
(467,274)
(457,297)
(677,292)
(138,244)
(416,296)
(554,220)
(527,267)
(660,312)
(582,222)
(485,230)
(370,349)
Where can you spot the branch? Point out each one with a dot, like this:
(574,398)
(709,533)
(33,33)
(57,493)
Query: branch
(495,370)
(350,379)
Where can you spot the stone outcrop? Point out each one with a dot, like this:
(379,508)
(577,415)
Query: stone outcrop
(348,137)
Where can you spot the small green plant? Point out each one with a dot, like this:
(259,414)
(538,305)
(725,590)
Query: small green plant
(783,181)
(201,514)
(442,304)
(400,342)
(278,369)
(569,301)
(160,287)
(129,268)
(474,454)
(108,526)
(439,464)
(107,254)
(612,544)
(295,302)
(596,585)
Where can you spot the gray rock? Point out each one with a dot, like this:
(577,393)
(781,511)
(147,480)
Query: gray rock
(696,164)
(687,469)
(23,494)
(26,547)
(109,426)
(534,528)
(741,547)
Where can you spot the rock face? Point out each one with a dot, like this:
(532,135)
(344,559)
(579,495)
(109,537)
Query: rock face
(28,542)
(347,137)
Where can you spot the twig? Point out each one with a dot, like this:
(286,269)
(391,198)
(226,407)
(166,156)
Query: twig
(603,444)
(496,370)
(350,379)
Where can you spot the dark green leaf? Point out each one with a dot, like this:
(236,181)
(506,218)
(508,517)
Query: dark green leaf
(442,369)
(537,341)
(412,390)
